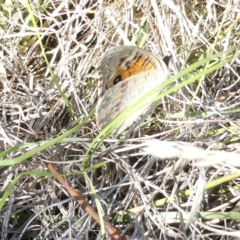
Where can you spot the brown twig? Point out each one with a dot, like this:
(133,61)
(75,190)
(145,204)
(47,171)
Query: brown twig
(111,230)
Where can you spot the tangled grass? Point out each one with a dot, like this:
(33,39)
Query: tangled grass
(182,185)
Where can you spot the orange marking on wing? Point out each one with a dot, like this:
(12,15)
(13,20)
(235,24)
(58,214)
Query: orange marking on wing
(141,65)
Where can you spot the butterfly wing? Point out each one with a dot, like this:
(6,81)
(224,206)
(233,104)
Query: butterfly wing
(124,94)
(120,63)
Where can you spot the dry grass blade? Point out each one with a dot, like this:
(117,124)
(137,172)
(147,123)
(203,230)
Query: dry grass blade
(49,56)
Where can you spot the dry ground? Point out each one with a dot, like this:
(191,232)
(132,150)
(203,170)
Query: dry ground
(49,54)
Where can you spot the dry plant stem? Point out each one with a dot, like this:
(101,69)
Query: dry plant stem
(111,230)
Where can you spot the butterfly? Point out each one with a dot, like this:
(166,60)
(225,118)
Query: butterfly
(127,74)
